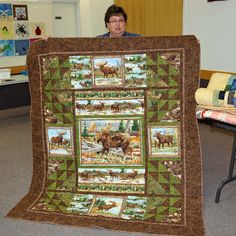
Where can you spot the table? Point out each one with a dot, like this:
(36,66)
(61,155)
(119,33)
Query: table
(225,121)
(14,92)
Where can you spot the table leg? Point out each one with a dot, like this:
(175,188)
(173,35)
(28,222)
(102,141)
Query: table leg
(231,170)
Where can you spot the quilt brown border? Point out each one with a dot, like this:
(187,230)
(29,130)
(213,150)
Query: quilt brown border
(193,168)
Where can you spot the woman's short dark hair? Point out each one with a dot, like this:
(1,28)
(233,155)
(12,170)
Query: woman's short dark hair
(114,10)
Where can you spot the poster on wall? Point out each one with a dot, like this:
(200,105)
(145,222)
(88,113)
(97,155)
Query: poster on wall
(21,47)
(21,29)
(16,32)
(20,12)
(7,48)
(6,29)
(5,12)
(37,29)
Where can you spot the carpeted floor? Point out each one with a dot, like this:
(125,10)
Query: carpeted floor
(16,171)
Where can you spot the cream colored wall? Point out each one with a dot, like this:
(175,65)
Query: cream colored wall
(214,25)
(92,17)
(41,12)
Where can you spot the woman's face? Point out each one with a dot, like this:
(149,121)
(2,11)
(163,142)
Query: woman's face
(116,26)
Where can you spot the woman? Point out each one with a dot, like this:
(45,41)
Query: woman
(115,21)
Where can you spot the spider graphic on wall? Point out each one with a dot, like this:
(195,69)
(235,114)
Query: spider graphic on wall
(21,30)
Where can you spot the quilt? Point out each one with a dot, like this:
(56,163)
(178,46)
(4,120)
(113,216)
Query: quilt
(114,134)
(220,92)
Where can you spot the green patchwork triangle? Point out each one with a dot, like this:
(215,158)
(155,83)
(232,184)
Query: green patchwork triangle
(161,103)
(59,183)
(153,177)
(46,200)
(160,200)
(159,217)
(53,176)
(57,197)
(174,180)
(47,75)
(161,114)
(49,106)
(172,82)
(173,210)
(58,106)
(161,83)
(161,71)
(173,200)
(69,117)
(63,166)
(63,204)
(151,210)
(150,62)
(56,75)
(69,174)
(65,63)
(60,117)
(160,60)
(149,216)
(151,202)
(55,202)
(172,92)
(63,177)
(161,190)
(68,185)
(172,103)
(173,190)
(48,95)
(152,188)
(70,165)
(150,115)
(48,86)
(62,84)
(53,185)
(50,195)
(55,63)
(152,166)
(173,71)
(161,209)
(63,209)
(162,179)
(161,168)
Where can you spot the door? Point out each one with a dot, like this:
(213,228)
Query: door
(135,10)
(164,17)
(153,17)
(64,20)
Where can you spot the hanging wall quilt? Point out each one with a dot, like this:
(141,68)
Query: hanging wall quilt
(115,138)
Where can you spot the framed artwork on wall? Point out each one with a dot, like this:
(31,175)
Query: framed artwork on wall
(5,12)
(22,30)
(21,47)
(20,12)
(7,48)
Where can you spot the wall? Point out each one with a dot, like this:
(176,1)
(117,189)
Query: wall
(37,12)
(214,24)
(92,17)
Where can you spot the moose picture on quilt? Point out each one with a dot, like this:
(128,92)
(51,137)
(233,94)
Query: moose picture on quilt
(110,134)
